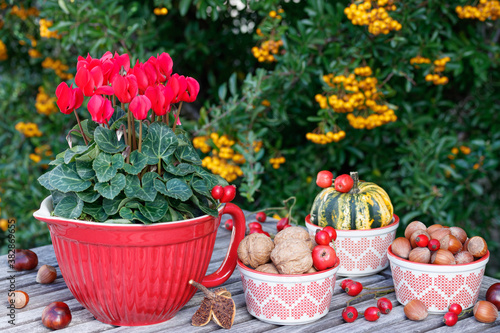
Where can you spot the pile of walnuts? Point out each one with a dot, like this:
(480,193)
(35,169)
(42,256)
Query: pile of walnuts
(290,253)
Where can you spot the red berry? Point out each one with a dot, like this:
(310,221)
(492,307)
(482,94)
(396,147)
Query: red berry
(422,240)
(324,179)
(455,308)
(344,283)
(229,224)
(332,232)
(322,238)
(343,183)
(450,318)
(434,245)
(217,192)
(286,226)
(372,314)
(255,225)
(229,193)
(281,223)
(259,231)
(384,305)
(350,314)
(261,217)
(353,288)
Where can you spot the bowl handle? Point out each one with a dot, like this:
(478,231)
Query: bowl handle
(228,265)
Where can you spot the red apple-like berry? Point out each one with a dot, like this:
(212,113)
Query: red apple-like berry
(450,318)
(345,283)
(261,217)
(332,232)
(324,257)
(372,313)
(287,226)
(434,245)
(217,192)
(255,225)
(281,223)
(422,240)
(350,314)
(343,183)
(229,225)
(322,238)
(229,193)
(324,179)
(354,288)
(455,308)
(384,305)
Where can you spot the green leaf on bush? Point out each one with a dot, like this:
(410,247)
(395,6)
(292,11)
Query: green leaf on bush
(106,166)
(155,210)
(181,169)
(89,195)
(107,140)
(146,191)
(112,188)
(160,186)
(73,152)
(69,207)
(137,163)
(204,207)
(95,210)
(200,186)
(58,196)
(160,143)
(64,178)
(118,114)
(44,180)
(178,189)
(186,151)
(112,206)
(130,214)
(84,169)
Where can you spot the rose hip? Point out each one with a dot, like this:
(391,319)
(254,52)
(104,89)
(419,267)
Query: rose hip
(261,217)
(350,314)
(217,192)
(229,225)
(344,283)
(372,314)
(255,225)
(354,288)
(450,318)
(322,237)
(332,232)
(434,245)
(229,193)
(455,308)
(422,240)
(384,305)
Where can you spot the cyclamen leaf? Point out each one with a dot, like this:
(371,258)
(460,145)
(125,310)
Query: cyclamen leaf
(203,207)
(107,140)
(137,163)
(89,195)
(96,211)
(112,188)
(200,186)
(130,214)
(73,152)
(160,186)
(187,152)
(155,210)
(106,166)
(69,207)
(84,169)
(44,180)
(178,189)
(146,192)
(181,169)
(160,143)
(112,206)
(64,178)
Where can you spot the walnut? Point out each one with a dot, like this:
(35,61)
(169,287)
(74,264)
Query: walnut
(292,256)
(267,268)
(295,233)
(255,249)
(312,270)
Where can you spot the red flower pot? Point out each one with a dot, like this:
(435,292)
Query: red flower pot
(132,275)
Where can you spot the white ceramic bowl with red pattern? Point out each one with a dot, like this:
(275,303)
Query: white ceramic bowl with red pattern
(361,252)
(437,286)
(288,299)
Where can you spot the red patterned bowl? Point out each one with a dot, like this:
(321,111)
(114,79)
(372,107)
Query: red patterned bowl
(288,299)
(361,252)
(437,286)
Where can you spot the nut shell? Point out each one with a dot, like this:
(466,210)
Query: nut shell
(477,247)
(415,310)
(443,257)
(19,298)
(255,250)
(459,233)
(433,228)
(463,257)
(485,312)
(414,226)
(46,274)
(25,260)
(440,233)
(267,268)
(292,256)
(421,255)
(294,233)
(413,237)
(450,243)
(401,247)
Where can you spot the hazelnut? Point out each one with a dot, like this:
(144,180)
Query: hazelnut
(415,310)
(450,243)
(56,315)
(440,233)
(466,243)
(433,228)
(421,255)
(459,233)
(25,260)
(413,237)
(463,257)
(414,226)
(46,274)
(401,247)
(442,257)
(255,250)
(485,312)
(19,298)
(477,247)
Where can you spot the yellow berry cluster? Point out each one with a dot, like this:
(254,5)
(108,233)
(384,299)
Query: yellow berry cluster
(58,67)
(44,29)
(323,139)
(363,71)
(266,103)
(439,66)
(419,60)
(160,11)
(33,53)
(454,151)
(486,9)
(221,167)
(3,51)
(39,152)
(28,129)
(372,121)
(257,146)
(274,14)
(44,103)
(200,142)
(4,224)
(266,50)
(24,13)
(277,161)
(377,19)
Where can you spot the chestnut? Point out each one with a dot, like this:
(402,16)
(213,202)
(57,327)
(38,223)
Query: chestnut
(25,260)
(416,310)
(19,298)
(414,226)
(56,315)
(46,274)
(477,247)
(401,247)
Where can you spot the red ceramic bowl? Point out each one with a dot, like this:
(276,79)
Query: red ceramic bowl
(437,286)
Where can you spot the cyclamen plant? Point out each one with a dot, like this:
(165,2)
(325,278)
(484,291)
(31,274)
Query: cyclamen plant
(136,165)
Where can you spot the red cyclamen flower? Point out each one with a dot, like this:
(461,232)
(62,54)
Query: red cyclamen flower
(68,98)
(178,84)
(163,65)
(139,107)
(193,88)
(145,74)
(101,109)
(125,87)
(119,61)
(91,81)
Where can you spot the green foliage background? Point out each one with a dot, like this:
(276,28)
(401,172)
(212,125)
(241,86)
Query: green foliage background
(211,41)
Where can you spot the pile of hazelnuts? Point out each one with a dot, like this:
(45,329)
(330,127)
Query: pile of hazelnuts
(439,245)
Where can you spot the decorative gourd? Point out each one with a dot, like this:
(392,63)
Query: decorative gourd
(365,206)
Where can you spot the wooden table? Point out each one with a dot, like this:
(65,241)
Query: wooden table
(28,319)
